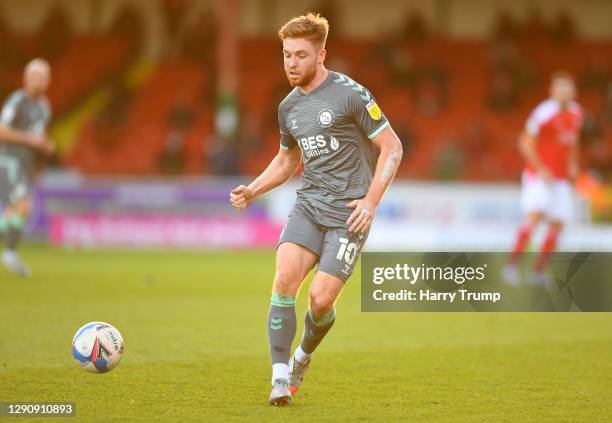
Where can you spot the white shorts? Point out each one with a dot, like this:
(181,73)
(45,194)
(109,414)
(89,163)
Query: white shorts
(553,199)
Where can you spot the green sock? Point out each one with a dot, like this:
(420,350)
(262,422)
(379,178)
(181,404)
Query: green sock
(316,329)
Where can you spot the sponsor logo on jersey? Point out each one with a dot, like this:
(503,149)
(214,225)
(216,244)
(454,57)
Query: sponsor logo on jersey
(326,118)
(374,110)
(318,145)
(334,143)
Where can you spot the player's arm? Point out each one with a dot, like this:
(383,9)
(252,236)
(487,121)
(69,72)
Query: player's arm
(388,161)
(573,164)
(8,135)
(527,147)
(281,168)
(14,136)
(574,156)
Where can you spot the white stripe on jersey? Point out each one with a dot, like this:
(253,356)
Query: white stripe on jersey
(544,112)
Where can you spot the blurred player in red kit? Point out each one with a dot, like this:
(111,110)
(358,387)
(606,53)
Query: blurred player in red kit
(549,144)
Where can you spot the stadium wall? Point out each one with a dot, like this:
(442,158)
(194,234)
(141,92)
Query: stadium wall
(458,18)
(195,213)
(87,17)
(352,18)
(456,217)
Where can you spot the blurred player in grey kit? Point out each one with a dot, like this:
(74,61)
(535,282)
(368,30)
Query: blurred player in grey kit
(23,126)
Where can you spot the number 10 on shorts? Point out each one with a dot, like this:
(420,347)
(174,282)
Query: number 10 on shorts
(347,250)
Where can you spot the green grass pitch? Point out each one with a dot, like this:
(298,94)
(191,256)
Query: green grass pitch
(194,325)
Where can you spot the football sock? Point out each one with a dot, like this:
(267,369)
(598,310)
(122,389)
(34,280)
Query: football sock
(281,331)
(13,237)
(548,246)
(300,355)
(522,238)
(280,371)
(4,225)
(13,224)
(315,329)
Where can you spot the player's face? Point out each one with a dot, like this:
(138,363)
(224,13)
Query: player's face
(301,58)
(563,89)
(36,80)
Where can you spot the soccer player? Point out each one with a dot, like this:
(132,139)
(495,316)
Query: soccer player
(549,144)
(23,124)
(331,123)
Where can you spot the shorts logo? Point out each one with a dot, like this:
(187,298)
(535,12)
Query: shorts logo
(334,143)
(326,118)
(374,110)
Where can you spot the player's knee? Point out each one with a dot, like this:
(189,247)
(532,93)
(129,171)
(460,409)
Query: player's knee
(535,218)
(321,303)
(556,226)
(285,283)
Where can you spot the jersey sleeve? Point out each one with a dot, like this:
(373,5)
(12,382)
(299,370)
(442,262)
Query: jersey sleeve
(540,115)
(532,126)
(286,139)
(365,111)
(10,110)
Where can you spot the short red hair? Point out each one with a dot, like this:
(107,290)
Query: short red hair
(312,27)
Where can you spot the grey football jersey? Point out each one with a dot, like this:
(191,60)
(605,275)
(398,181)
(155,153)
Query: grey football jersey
(333,125)
(23,113)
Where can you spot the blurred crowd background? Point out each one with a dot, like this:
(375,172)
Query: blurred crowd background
(190,88)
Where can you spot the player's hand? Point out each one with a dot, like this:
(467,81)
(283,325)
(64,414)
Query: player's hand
(41,142)
(360,220)
(241,197)
(49,148)
(573,171)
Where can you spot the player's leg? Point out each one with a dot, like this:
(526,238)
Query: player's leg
(298,252)
(523,235)
(12,223)
(321,314)
(510,272)
(559,212)
(293,263)
(14,195)
(338,258)
(535,199)
(534,203)
(548,245)
(319,319)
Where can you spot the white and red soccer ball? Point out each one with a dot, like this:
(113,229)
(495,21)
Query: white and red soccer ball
(97,347)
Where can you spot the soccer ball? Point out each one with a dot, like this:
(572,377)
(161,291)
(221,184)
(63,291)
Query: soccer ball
(97,347)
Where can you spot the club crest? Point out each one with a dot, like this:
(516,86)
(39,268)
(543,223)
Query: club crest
(326,118)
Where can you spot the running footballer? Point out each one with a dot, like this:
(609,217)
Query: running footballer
(332,123)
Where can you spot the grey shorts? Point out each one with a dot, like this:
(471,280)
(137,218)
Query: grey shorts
(15,185)
(337,248)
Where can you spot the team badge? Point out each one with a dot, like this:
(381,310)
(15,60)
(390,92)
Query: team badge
(334,143)
(374,110)
(326,118)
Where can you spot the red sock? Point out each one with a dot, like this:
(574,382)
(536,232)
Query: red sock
(522,238)
(548,247)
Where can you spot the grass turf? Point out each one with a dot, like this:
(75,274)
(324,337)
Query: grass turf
(196,348)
